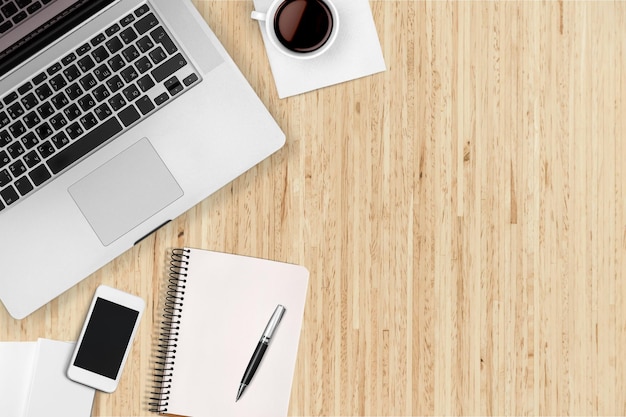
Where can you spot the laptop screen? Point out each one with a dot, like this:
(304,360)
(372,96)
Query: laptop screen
(29,26)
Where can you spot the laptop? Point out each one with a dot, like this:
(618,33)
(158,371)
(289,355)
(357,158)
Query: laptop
(116,116)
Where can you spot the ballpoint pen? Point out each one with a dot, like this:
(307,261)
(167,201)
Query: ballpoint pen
(260,349)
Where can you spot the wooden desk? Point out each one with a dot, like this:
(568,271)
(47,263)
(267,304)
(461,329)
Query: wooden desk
(462,215)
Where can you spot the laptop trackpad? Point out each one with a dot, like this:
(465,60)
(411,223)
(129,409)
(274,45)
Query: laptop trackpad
(125,191)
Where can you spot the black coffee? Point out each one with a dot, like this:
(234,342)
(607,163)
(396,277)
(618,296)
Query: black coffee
(303,25)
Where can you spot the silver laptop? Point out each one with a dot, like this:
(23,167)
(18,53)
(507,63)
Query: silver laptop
(115,117)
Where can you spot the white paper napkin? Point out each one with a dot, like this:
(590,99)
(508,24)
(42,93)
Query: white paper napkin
(356,52)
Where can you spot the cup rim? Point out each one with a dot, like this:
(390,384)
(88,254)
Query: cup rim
(269,29)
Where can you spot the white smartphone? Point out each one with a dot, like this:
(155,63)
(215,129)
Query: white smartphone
(106,338)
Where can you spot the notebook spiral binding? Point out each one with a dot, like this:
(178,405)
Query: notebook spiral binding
(168,336)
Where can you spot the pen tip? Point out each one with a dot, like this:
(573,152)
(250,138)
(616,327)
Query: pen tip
(240,391)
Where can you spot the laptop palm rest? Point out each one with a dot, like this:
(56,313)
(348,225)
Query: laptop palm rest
(125,191)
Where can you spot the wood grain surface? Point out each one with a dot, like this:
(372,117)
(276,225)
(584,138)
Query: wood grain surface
(462,216)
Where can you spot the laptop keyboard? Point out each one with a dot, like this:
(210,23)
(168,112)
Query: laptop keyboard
(95,92)
(13,12)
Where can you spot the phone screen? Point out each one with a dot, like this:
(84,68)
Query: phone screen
(107,334)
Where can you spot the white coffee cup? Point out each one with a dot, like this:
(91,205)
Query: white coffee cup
(286,8)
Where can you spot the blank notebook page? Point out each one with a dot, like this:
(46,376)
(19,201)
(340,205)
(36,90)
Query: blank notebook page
(227,303)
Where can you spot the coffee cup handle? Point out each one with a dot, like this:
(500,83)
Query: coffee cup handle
(257,15)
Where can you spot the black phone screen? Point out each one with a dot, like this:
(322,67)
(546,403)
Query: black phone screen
(104,343)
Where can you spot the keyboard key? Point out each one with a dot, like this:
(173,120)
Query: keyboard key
(190,80)
(5,178)
(74,130)
(39,175)
(19,17)
(9,195)
(145,83)
(29,101)
(56,67)
(131,92)
(33,7)
(32,158)
(97,40)
(129,115)
(59,101)
(44,131)
(100,54)
(17,169)
(168,68)
(91,141)
(17,129)
(103,111)
(40,78)
(60,140)
(86,63)
(43,92)
(158,55)
(101,93)
(82,50)
(15,110)
(24,88)
(114,44)
(58,121)
(4,159)
(8,10)
(142,10)
(112,30)
(74,91)
(143,64)
(115,83)
(5,138)
(69,59)
(72,112)
(146,23)
(88,121)
(102,72)
(71,73)
(4,119)
(15,150)
(31,119)
(116,63)
(162,98)
(145,105)
(130,54)
(173,86)
(23,185)
(129,74)
(45,149)
(10,98)
(160,36)
(88,82)
(57,82)
(145,44)
(127,20)
(128,35)
(117,102)
(29,140)
(5,26)
(45,110)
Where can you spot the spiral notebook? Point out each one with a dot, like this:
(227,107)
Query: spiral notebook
(216,308)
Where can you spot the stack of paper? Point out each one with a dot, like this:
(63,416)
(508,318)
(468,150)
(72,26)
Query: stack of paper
(33,382)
